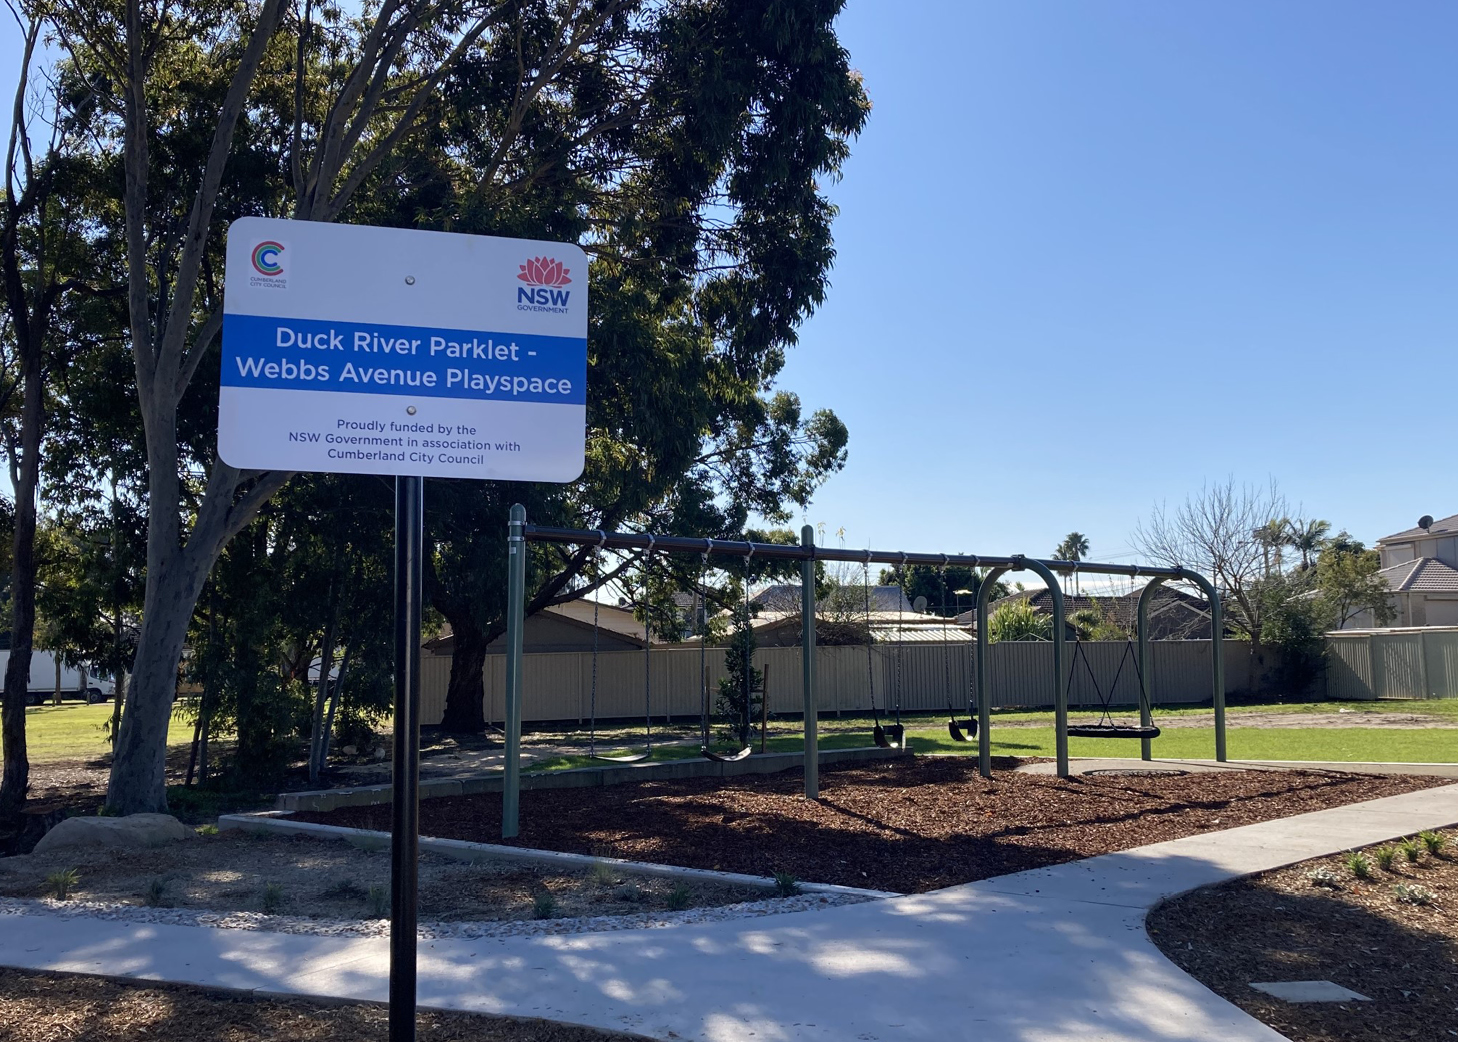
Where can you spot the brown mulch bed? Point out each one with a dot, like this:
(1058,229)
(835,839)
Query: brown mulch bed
(45,1007)
(1285,926)
(906,826)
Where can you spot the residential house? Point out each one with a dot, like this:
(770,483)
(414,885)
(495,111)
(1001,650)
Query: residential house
(1420,565)
(1173,614)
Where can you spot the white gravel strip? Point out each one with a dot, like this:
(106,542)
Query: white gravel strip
(117,912)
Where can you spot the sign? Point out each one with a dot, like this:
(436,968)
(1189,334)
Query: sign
(359,350)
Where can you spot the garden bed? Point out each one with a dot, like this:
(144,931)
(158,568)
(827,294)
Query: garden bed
(41,1007)
(910,825)
(249,881)
(1319,921)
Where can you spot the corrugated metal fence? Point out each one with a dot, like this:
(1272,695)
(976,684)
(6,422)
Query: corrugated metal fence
(558,686)
(1396,663)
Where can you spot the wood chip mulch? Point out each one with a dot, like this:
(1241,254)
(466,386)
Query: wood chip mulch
(905,826)
(1287,926)
(39,1007)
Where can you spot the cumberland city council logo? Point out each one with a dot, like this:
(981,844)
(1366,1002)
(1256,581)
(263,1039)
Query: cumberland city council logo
(268,265)
(544,278)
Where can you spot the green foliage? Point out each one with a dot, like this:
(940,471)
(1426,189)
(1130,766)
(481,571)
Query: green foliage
(1018,620)
(378,901)
(1386,857)
(273,897)
(1412,849)
(741,689)
(1097,623)
(1349,584)
(1294,621)
(786,885)
(1413,894)
(1434,841)
(156,895)
(680,897)
(544,905)
(207,831)
(1324,877)
(925,580)
(602,874)
(1358,864)
(630,892)
(61,883)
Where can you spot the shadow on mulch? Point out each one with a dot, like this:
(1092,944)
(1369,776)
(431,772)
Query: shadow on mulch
(1405,959)
(42,1007)
(907,826)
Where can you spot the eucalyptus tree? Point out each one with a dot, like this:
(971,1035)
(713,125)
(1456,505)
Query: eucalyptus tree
(680,141)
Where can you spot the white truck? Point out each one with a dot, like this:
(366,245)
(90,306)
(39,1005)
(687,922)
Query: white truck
(47,672)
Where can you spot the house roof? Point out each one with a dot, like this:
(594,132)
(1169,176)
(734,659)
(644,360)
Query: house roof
(610,618)
(1446,526)
(786,597)
(1423,575)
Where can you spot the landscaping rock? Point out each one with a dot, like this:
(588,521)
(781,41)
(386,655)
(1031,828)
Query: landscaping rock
(131,832)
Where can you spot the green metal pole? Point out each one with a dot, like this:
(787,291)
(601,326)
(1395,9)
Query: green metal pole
(807,653)
(1146,716)
(1060,684)
(515,623)
(984,699)
(1217,656)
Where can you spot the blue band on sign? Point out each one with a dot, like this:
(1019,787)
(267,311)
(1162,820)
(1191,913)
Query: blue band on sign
(314,355)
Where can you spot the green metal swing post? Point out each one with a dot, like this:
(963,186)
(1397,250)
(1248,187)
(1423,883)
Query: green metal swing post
(984,700)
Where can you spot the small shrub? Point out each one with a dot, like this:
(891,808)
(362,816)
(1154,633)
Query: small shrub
(1412,849)
(378,900)
(602,874)
(60,884)
(1434,841)
(156,895)
(544,905)
(1324,877)
(629,892)
(1412,894)
(206,831)
(273,897)
(1358,864)
(344,890)
(680,897)
(1386,857)
(786,885)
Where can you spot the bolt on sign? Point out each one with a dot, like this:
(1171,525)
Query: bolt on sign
(361,350)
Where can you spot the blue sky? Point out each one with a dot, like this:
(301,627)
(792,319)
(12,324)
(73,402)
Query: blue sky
(1092,255)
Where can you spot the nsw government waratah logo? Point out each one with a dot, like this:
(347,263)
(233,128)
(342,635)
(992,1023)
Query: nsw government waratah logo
(544,278)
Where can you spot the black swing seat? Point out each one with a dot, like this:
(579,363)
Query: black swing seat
(709,754)
(1112,731)
(888,737)
(962,730)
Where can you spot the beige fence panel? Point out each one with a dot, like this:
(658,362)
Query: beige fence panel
(1440,657)
(1399,663)
(558,686)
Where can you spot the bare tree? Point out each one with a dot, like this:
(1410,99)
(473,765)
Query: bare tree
(1222,532)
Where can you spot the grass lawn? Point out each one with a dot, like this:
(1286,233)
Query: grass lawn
(73,731)
(1350,744)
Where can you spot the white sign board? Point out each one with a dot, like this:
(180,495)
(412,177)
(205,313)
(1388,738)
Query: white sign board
(360,350)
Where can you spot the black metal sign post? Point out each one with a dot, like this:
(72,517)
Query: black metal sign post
(405,827)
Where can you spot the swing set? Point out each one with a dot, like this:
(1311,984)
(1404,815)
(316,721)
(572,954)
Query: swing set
(891,734)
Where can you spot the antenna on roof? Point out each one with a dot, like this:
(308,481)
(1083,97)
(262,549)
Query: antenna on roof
(1425,522)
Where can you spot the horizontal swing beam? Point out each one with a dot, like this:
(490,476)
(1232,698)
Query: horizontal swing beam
(810,552)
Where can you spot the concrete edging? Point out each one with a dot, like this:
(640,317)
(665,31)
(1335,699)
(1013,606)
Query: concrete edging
(580,777)
(273,821)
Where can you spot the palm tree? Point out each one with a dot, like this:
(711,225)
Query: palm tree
(1272,536)
(1307,538)
(1073,548)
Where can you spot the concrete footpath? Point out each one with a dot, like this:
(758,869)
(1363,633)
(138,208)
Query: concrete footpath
(1051,955)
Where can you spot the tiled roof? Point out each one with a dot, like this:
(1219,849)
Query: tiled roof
(1446,526)
(1424,575)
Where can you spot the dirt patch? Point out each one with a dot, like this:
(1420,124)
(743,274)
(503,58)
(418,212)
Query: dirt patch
(1317,921)
(239,872)
(908,826)
(51,1007)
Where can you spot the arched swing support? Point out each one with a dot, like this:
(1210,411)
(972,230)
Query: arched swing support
(520,533)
